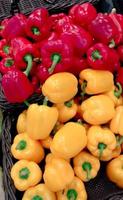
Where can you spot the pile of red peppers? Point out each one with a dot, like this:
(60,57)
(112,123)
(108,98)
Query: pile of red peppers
(33,48)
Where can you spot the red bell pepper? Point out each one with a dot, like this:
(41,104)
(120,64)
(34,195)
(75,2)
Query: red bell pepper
(16,86)
(4,48)
(38,24)
(79,38)
(42,73)
(20,48)
(120,52)
(102,57)
(56,56)
(3,25)
(7,64)
(14,27)
(83,14)
(64,24)
(55,18)
(78,65)
(104,30)
(119,76)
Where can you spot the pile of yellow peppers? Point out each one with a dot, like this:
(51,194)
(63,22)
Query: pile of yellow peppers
(82,126)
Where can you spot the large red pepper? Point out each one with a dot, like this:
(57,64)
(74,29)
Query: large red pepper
(63,25)
(83,14)
(3,25)
(16,86)
(42,73)
(56,56)
(102,57)
(104,30)
(4,48)
(20,48)
(55,18)
(7,64)
(78,65)
(38,24)
(14,27)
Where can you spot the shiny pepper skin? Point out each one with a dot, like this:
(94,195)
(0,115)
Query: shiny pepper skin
(75,190)
(46,143)
(60,87)
(98,109)
(71,139)
(116,124)
(115,172)
(86,166)
(40,121)
(25,174)
(57,170)
(21,122)
(97,81)
(39,192)
(101,142)
(24,148)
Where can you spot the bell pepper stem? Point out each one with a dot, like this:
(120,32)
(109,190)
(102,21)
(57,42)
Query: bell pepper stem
(96,55)
(24,173)
(9,62)
(112,44)
(72,194)
(55,60)
(83,87)
(87,167)
(37,197)
(1,27)
(45,101)
(68,104)
(21,145)
(36,31)
(119,140)
(118,92)
(6,49)
(28,58)
(27,103)
(101,147)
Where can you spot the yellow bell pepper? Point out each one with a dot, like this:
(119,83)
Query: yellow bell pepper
(40,121)
(60,87)
(24,148)
(66,111)
(58,174)
(39,192)
(75,190)
(115,171)
(46,143)
(69,140)
(98,109)
(25,174)
(86,166)
(96,81)
(50,156)
(101,141)
(115,95)
(21,122)
(116,124)
(115,153)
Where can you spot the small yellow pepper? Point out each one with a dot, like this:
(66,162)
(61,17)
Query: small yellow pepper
(116,124)
(50,156)
(86,166)
(39,192)
(115,171)
(40,121)
(69,140)
(46,143)
(24,148)
(25,174)
(98,109)
(115,95)
(21,122)
(60,87)
(101,141)
(74,191)
(58,174)
(66,111)
(96,81)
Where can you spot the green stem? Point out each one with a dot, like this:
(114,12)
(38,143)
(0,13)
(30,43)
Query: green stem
(27,103)
(36,31)
(55,60)
(119,140)
(45,101)
(86,166)
(21,145)
(28,58)
(9,62)
(72,194)
(101,147)
(68,104)
(1,27)
(118,91)
(6,49)
(112,44)
(83,87)
(24,173)
(37,197)
(96,55)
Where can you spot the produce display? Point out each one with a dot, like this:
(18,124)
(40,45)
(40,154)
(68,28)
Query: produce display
(75,61)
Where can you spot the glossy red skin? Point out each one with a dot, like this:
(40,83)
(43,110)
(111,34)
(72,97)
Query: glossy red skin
(78,65)
(3,68)
(3,24)
(15,27)
(120,52)
(83,14)
(16,86)
(42,73)
(3,43)
(39,18)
